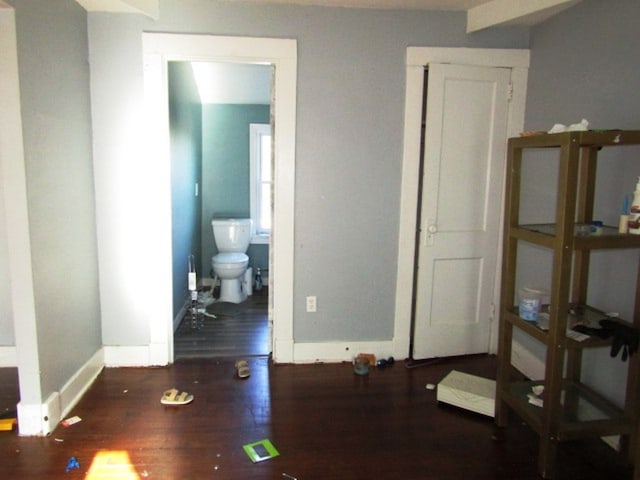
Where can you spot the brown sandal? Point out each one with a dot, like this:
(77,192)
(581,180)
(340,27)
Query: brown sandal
(175,397)
(242,369)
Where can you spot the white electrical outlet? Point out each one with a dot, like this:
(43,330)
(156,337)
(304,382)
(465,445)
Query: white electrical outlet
(312,304)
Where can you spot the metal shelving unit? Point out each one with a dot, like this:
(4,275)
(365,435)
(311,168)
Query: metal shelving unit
(570,409)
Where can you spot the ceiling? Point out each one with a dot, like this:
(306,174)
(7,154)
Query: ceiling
(235,83)
(481,14)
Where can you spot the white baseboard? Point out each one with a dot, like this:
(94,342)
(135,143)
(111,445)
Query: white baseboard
(79,383)
(333,352)
(8,356)
(526,362)
(178,318)
(42,419)
(152,355)
(30,419)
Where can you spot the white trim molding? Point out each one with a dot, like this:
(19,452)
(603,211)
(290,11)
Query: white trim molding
(335,352)
(42,419)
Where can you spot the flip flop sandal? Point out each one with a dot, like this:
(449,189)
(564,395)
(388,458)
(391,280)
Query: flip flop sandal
(175,397)
(242,369)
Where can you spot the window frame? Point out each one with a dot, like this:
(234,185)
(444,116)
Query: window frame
(256,133)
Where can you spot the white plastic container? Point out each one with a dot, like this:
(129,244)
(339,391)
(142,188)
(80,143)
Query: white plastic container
(247,281)
(634,216)
(530,301)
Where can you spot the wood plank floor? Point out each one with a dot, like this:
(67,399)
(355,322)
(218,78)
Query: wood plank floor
(237,331)
(326,423)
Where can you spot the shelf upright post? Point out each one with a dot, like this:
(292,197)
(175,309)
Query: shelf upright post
(507,294)
(560,280)
(582,258)
(631,408)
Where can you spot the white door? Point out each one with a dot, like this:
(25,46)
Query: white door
(463,171)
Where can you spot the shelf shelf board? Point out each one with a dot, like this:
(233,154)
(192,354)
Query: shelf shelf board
(589,318)
(589,138)
(583,412)
(544,234)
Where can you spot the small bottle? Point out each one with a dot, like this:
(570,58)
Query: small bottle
(634,217)
(258,285)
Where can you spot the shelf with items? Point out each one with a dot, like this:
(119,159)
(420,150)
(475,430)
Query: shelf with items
(583,412)
(588,317)
(567,408)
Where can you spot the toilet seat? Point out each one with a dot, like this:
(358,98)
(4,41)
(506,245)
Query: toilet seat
(230,258)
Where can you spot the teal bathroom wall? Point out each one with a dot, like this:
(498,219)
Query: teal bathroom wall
(185,117)
(225,172)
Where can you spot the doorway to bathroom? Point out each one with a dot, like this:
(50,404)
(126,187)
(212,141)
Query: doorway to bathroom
(281,57)
(220,169)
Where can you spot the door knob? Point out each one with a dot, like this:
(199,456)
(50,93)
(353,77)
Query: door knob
(432,228)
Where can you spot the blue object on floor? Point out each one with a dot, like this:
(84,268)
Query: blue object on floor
(72,463)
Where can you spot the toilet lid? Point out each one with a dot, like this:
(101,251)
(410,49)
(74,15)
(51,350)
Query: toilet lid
(230,258)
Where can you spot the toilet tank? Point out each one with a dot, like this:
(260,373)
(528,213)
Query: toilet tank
(231,234)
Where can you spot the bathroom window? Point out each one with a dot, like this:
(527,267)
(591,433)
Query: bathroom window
(261,181)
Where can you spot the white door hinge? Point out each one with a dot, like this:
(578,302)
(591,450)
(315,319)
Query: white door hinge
(510,92)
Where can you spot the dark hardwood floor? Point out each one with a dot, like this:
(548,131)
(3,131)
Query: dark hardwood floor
(237,331)
(326,423)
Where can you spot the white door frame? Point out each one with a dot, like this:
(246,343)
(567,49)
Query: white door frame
(159,48)
(416,60)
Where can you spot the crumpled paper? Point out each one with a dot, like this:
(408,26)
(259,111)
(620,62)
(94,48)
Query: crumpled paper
(583,126)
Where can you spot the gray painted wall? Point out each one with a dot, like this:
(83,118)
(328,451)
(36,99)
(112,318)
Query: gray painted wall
(225,172)
(54,83)
(185,121)
(584,64)
(350,101)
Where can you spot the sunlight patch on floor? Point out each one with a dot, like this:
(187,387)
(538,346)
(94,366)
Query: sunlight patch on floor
(112,464)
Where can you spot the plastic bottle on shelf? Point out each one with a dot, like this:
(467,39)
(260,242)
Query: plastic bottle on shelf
(634,214)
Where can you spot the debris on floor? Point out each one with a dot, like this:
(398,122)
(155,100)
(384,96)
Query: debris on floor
(70,421)
(370,357)
(384,362)
(477,394)
(361,365)
(261,450)
(535,397)
(72,463)
(6,424)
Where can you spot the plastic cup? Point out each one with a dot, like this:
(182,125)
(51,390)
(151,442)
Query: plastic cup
(530,303)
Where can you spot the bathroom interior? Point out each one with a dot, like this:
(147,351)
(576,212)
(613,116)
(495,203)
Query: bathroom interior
(220,129)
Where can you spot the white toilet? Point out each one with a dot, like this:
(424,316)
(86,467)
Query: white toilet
(232,238)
